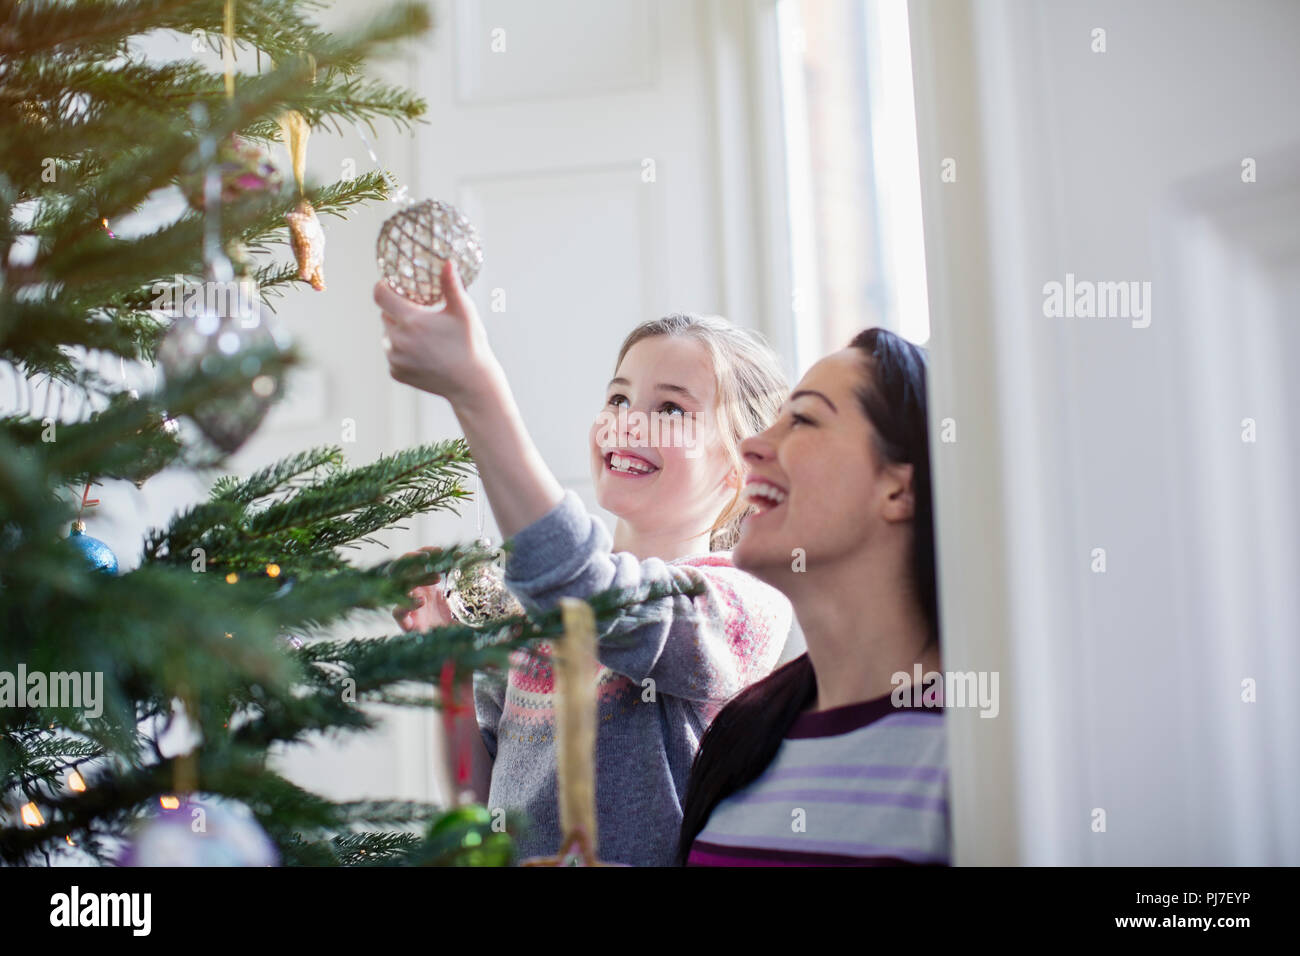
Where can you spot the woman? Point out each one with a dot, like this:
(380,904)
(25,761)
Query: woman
(831,760)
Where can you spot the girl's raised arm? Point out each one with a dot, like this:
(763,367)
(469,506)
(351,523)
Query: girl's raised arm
(703,649)
(443,349)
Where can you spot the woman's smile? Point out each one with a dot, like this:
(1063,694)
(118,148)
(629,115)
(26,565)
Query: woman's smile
(764,494)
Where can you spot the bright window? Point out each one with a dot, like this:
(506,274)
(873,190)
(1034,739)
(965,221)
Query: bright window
(857,250)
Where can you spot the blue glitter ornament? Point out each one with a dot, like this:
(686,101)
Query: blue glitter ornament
(98,555)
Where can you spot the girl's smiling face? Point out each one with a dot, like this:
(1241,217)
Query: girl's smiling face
(657,453)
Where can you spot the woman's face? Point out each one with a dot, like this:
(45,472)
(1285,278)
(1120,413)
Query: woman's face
(821,492)
(657,455)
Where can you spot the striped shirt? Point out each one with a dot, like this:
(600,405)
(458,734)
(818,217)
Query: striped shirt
(861,785)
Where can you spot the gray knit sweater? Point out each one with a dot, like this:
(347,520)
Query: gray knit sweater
(661,680)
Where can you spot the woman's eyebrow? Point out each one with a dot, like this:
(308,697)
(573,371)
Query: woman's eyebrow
(809,391)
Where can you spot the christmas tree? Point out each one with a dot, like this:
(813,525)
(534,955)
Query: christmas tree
(224,628)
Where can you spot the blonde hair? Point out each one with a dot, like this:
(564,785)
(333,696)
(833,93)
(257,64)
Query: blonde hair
(751,387)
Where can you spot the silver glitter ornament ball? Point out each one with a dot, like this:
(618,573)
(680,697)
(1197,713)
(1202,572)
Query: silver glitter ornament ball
(414,243)
(479,595)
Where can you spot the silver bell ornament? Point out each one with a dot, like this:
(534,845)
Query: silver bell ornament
(202,343)
(415,242)
(479,595)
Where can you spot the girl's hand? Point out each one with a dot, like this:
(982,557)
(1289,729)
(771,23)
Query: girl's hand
(431,609)
(441,348)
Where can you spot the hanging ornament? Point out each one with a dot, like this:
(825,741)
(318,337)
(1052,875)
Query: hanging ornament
(236,326)
(467,835)
(308,241)
(479,595)
(244,169)
(197,344)
(305,233)
(416,241)
(457,717)
(185,832)
(98,555)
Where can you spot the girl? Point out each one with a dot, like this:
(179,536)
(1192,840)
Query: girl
(662,679)
(834,739)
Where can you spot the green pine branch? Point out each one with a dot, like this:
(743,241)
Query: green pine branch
(198,633)
(299,511)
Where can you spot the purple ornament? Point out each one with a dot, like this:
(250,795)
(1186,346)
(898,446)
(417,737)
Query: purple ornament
(246,172)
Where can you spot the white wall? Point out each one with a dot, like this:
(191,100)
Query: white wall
(1121,690)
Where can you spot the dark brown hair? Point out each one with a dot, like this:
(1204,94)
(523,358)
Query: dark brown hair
(745,736)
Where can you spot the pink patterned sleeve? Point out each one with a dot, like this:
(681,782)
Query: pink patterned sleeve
(702,649)
(743,627)
(708,648)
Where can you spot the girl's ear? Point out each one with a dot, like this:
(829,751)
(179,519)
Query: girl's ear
(732,480)
(900,499)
